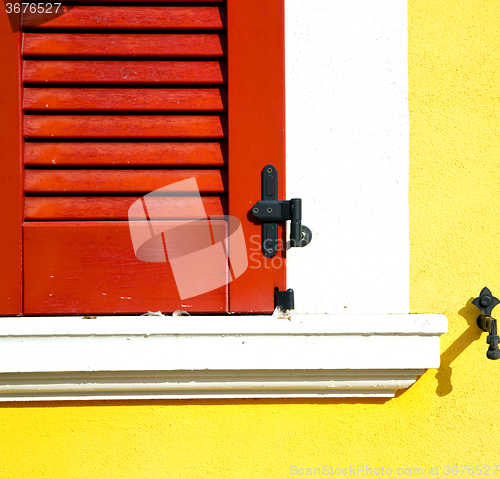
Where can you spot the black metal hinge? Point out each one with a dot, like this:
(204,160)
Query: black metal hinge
(270,211)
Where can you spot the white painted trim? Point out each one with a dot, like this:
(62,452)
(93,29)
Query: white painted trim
(58,358)
(347,144)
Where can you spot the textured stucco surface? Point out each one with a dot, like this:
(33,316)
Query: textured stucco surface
(454,66)
(445,418)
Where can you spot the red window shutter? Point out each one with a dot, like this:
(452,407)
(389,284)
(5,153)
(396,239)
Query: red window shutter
(119,102)
(11,194)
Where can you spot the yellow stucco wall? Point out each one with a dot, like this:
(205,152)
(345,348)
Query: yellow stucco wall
(446,418)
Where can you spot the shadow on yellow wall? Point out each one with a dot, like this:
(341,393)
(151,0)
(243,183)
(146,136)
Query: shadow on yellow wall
(471,334)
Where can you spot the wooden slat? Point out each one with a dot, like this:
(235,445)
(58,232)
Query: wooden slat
(121,72)
(113,208)
(119,181)
(136,18)
(129,99)
(128,154)
(116,45)
(74,126)
(91,268)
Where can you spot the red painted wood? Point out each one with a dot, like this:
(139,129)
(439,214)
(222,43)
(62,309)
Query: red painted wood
(145,127)
(129,154)
(80,252)
(90,268)
(121,72)
(256,136)
(10,172)
(119,181)
(129,99)
(112,208)
(115,45)
(138,18)
(71,2)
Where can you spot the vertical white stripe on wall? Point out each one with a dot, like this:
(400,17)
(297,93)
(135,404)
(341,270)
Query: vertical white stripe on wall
(347,153)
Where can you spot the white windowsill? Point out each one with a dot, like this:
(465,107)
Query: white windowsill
(147,357)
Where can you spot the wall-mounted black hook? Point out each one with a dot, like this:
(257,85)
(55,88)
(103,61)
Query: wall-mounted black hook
(485,302)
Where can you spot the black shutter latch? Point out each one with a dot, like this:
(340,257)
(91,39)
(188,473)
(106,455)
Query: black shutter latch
(270,211)
(284,300)
(485,302)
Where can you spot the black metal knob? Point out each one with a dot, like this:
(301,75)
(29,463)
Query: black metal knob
(492,339)
(493,351)
(485,302)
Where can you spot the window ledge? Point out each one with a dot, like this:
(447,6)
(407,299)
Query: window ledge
(148,357)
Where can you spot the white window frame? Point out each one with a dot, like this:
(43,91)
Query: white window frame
(149,357)
(352,334)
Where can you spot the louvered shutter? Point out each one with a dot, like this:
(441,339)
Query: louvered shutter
(120,100)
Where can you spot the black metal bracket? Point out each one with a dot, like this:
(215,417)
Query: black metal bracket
(270,211)
(485,302)
(284,299)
